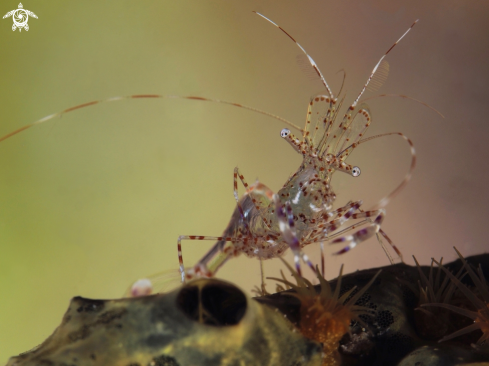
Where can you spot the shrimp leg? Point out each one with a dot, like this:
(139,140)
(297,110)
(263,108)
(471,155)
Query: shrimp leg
(366,215)
(254,190)
(221,249)
(269,194)
(360,235)
(287,229)
(379,238)
(381,233)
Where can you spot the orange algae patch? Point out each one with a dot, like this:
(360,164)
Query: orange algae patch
(483,322)
(325,316)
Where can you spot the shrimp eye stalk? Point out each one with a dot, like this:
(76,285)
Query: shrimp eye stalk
(285,132)
(291,139)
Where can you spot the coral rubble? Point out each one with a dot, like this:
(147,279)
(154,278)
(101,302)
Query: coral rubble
(212,322)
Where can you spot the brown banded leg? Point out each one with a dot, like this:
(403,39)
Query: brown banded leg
(366,220)
(245,184)
(320,227)
(347,212)
(391,243)
(322,232)
(201,269)
(339,211)
(360,235)
(381,234)
(339,233)
(236,195)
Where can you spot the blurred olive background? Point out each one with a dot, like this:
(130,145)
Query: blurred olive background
(94,200)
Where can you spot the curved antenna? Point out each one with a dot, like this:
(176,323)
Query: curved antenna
(384,201)
(406,97)
(344,78)
(378,64)
(311,61)
(144,96)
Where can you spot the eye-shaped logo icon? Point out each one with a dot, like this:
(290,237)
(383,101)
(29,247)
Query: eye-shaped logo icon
(20,17)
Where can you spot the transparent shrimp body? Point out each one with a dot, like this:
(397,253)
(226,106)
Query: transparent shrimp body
(254,225)
(265,224)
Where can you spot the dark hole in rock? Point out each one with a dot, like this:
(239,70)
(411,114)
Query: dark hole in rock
(217,304)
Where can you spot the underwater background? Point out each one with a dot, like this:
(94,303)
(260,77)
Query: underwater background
(94,200)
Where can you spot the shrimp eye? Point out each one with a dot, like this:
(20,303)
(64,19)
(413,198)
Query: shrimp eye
(355,171)
(285,132)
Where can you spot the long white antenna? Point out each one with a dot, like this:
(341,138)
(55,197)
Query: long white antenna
(378,63)
(311,61)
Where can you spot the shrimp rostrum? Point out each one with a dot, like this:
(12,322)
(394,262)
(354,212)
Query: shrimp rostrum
(265,224)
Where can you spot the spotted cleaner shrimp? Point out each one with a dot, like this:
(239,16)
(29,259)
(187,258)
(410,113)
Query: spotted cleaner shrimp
(265,224)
